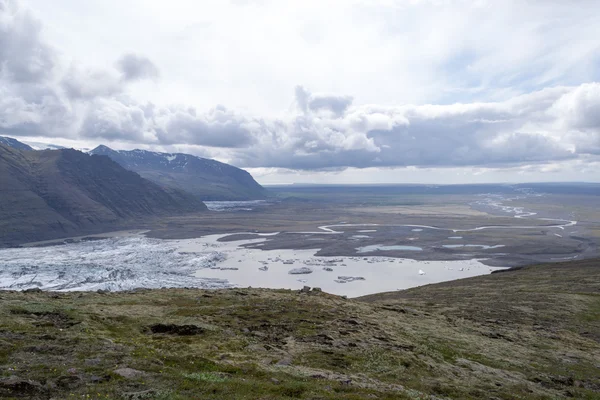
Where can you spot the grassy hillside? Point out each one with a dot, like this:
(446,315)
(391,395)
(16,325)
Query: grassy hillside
(530,333)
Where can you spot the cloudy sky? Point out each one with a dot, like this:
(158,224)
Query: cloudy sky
(384,91)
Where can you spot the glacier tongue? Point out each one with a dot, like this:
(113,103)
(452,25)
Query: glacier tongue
(120,263)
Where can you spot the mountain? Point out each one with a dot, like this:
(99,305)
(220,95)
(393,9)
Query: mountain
(45,146)
(205,178)
(57,193)
(14,143)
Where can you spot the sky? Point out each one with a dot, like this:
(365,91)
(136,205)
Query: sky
(378,91)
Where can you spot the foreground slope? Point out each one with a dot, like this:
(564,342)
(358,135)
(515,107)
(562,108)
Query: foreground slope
(57,193)
(531,333)
(207,179)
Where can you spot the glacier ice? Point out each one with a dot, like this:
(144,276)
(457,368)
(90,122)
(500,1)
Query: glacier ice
(120,263)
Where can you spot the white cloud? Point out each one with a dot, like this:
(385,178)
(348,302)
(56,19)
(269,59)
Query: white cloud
(467,84)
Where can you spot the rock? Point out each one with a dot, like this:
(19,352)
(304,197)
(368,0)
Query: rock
(129,373)
(172,329)
(325,337)
(33,290)
(329,269)
(18,386)
(145,394)
(68,381)
(284,362)
(317,289)
(100,379)
(275,381)
(263,268)
(305,289)
(299,271)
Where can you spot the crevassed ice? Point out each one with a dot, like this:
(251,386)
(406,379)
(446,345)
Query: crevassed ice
(110,264)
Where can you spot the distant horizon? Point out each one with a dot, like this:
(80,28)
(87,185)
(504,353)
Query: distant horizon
(432,184)
(265,179)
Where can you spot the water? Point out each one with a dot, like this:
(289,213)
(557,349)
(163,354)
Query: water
(234,205)
(124,263)
(481,246)
(376,247)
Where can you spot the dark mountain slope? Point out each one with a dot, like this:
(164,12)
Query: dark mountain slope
(207,179)
(14,143)
(54,193)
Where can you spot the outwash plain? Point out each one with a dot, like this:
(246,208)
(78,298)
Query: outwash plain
(530,330)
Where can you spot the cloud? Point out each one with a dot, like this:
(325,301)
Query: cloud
(525,129)
(24,57)
(115,120)
(135,67)
(87,84)
(217,128)
(42,95)
(336,105)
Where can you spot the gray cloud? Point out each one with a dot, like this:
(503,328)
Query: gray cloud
(115,120)
(41,97)
(135,67)
(218,128)
(523,130)
(24,57)
(337,105)
(88,84)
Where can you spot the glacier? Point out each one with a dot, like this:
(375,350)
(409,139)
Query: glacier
(114,264)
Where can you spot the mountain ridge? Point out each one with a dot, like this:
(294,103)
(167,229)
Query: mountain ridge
(58,193)
(205,178)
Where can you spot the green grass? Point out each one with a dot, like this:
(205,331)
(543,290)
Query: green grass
(266,344)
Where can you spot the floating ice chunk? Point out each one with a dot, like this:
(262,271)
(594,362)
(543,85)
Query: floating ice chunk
(346,279)
(300,271)
(421,272)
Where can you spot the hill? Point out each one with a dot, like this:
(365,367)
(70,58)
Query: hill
(205,178)
(14,143)
(532,333)
(57,193)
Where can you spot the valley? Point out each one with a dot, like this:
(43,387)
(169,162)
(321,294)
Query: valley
(372,242)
